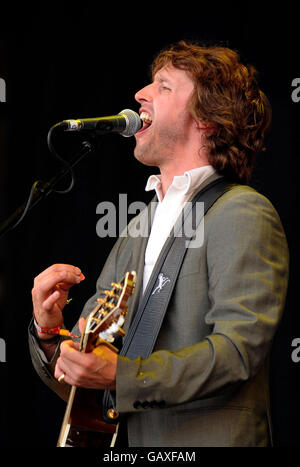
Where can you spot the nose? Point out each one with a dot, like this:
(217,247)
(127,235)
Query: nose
(144,94)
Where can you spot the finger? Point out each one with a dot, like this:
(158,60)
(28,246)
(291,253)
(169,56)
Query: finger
(50,302)
(81,325)
(69,351)
(63,362)
(69,363)
(62,373)
(52,282)
(55,274)
(76,345)
(67,346)
(70,354)
(57,268)
(63,277)
(60,368)
(66,286)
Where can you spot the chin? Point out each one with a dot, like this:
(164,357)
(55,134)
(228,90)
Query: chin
(145,158)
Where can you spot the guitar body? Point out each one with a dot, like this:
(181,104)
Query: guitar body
(83,424)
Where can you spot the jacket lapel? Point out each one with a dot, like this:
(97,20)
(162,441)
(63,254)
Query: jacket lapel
(138,255)
(138,259)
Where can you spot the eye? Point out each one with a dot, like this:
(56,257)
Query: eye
(165,88)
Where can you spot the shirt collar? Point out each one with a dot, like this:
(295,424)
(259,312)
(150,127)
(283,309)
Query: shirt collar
(186,183)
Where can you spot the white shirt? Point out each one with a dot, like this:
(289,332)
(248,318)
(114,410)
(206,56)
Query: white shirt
(168,209)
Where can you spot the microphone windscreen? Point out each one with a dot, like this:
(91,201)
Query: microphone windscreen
(134,122)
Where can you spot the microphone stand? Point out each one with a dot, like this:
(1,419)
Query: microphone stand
(43,189)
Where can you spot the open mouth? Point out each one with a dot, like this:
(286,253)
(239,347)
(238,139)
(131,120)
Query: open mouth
(147,120)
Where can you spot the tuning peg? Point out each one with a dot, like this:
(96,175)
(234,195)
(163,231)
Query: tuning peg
(107,336)
(121,320)
(116,285)
(111,294)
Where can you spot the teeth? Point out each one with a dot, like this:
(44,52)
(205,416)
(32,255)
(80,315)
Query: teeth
(145,117)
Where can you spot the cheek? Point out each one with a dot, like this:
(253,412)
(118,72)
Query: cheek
(171,112)
(170,117)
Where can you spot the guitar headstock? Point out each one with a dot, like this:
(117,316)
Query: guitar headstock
(107,318)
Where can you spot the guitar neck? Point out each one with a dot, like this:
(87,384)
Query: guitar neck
(83,424)
(65,428)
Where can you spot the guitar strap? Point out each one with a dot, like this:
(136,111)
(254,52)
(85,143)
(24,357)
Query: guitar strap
(142,334)
(145,327)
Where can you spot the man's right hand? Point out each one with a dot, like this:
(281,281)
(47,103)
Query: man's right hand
(50,293)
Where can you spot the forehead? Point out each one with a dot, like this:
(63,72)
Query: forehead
(174,76)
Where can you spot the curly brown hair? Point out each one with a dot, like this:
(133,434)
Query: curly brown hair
(227,97)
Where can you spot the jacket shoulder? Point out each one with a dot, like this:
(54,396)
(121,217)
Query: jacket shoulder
(244,198)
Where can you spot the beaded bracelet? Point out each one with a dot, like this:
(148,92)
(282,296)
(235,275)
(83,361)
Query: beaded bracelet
(57,330)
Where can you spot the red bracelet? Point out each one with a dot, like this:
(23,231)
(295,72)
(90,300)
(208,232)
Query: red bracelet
(57,330)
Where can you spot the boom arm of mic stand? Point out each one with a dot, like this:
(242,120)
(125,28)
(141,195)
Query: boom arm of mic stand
(43,189)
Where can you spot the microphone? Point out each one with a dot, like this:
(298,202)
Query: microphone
(127,123)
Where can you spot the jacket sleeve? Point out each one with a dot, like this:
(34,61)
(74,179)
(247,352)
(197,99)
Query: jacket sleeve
(247,263)
(45,369)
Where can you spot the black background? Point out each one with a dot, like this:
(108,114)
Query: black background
(68,61)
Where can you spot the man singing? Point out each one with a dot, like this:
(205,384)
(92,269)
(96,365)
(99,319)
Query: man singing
(206,381)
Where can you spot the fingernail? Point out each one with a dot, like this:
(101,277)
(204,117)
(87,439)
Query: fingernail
(82,277)
(77,271)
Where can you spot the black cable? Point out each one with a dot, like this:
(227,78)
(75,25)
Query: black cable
(28,204)
(63,161)
(41,187)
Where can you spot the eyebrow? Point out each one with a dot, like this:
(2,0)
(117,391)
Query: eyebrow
(162,79)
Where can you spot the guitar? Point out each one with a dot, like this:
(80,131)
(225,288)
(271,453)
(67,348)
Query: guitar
(83,424)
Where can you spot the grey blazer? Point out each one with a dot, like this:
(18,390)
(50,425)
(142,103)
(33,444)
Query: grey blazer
(206,383)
